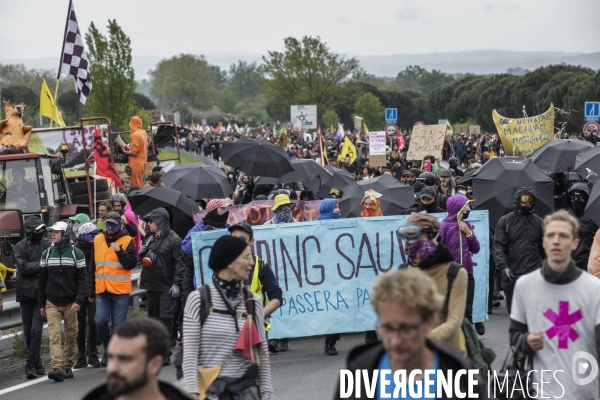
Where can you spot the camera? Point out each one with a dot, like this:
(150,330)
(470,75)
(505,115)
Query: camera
(149,258)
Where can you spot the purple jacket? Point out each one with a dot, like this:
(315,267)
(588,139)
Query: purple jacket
(458,242)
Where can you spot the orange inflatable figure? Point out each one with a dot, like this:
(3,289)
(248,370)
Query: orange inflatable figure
(13,133)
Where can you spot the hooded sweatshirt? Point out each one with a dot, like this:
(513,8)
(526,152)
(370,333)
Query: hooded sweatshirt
(326,210)
(27,256)
(168,266)
(459,244)
(587,227)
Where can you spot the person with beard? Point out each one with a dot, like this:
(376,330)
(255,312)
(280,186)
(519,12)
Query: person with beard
(425,252)
(114,256)
(371,203)
(215,218)
(447,182)
(85,243)
(561,200)
(28,254)
(61,293)
(518,242)
(578,198)
(137,352)
(426,202)
(211,337)
(163,268)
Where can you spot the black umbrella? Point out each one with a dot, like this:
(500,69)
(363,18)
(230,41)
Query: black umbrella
(257,157)
(496,182)
(396,197)
(179,206)
(340,179)
(587,164)
(559,155)
(593,206)
(467,179)
(304,171)
(198,181)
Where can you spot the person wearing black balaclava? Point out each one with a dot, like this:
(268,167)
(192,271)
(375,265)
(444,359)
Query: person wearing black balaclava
(578,198)
(518,242)
(215,218)
(427,202)
(28,253)
(560,191)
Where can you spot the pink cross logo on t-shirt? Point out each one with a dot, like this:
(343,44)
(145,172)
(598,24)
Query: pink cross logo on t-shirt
(563,323)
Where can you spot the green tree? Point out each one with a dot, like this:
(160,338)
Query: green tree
(307,72)
(68,102)
(408,79)
(432,80)
(245,80)
(143,102)
(112,75)
(371,110)
(330,118)
(227,102)
(22,94)
(186,80)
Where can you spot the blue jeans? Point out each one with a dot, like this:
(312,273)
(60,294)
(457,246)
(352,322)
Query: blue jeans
(110,307)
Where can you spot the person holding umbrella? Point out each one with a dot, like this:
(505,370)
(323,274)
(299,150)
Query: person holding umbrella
(518,242)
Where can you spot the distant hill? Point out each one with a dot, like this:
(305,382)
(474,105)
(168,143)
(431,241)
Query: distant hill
(477,61)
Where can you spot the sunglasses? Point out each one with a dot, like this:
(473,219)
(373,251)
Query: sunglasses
(578,197)
(113,226)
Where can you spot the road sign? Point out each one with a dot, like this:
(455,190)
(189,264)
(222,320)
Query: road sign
(391,115)
(391,129)
(591,128)
(592,111)
(289,126)
(304,117)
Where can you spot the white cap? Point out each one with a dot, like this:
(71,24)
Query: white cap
(58,226)
(40,226)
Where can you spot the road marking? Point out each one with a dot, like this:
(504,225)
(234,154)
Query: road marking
(29,383)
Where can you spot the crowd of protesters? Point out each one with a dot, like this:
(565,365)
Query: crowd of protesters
(80,275)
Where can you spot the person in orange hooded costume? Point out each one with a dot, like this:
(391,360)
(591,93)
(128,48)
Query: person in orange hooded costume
(138,154)
(372,203)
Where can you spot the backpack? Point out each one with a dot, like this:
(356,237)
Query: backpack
(52,247)
(481,355)
(206,304)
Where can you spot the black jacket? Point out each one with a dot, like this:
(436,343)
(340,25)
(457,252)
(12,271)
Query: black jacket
(127,257)
(28,257)
(367,357)
(169,391)
(169,266)
(587,230)
(63,276)
(519,250)
(418,207)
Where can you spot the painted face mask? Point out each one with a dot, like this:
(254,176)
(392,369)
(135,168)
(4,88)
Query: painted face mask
(420,250)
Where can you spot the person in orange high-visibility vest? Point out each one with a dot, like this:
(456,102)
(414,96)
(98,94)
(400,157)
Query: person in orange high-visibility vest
(114,258)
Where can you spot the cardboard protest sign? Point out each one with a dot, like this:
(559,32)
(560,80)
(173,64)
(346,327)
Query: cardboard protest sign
(426,140)
(522,136)
(377,142)
(259,212)
(474,129)
(326,270)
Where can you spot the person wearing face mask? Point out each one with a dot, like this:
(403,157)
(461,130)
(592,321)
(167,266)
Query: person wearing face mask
(427,203)
(518,242)
(578,198)
(560,191)
(77,221)
(215,218)
(283,208)
(424,251)
(372,204)
(28,253)
(459,236)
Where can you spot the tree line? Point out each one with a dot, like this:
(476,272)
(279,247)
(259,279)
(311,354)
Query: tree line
(306,71)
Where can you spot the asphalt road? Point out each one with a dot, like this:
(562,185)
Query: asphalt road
(304,372)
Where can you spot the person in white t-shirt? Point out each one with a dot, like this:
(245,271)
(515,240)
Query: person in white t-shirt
(555,317)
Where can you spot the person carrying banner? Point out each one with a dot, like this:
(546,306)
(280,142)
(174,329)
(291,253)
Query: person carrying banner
(424,251)
(262,280)
(212,333)
(138,155)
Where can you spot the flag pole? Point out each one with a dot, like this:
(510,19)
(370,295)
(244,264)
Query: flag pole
(60,64)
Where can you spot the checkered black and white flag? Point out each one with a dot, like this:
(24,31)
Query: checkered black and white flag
(74,59)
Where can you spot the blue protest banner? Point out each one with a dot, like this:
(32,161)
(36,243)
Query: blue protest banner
(326,269)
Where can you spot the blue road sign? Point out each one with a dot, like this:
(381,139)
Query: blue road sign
(391,115)
(592,111)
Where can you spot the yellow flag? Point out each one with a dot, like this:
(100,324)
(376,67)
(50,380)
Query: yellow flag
(348,150)
(365,129)
(47,105)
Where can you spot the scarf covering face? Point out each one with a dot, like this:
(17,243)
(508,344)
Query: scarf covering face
(326,210)
(214,219)
(420,251)
(283,215)
(375,210)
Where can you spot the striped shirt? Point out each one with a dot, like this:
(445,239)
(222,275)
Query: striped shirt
(209,345)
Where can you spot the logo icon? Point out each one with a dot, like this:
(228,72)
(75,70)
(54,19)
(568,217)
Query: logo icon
(579,367)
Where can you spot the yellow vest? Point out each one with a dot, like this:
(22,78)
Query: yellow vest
(110,274)
(256,287)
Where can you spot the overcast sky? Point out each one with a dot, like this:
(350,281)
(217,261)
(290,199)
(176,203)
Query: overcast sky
(34,28)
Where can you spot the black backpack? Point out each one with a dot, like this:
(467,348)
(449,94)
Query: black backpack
(206,303)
